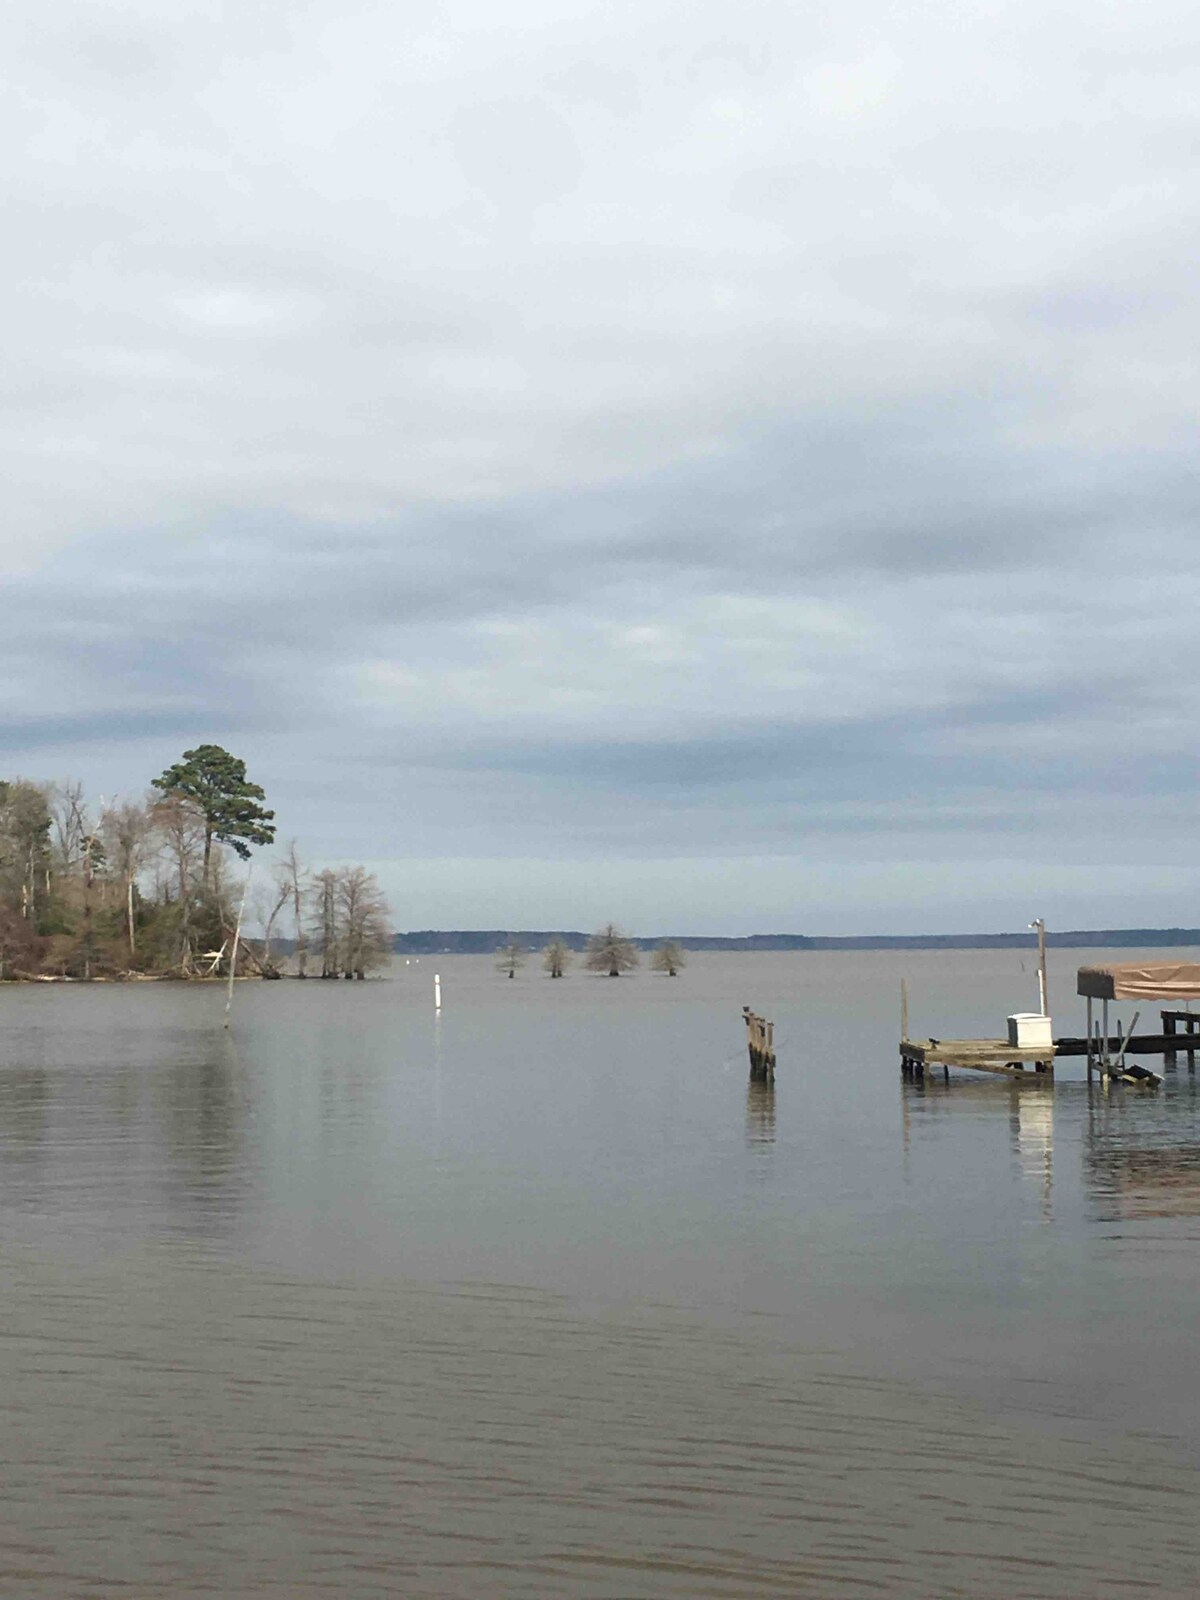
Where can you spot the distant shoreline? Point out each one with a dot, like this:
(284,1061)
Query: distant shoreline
(465,941)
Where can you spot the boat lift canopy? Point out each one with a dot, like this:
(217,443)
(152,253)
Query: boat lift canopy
(1164,980)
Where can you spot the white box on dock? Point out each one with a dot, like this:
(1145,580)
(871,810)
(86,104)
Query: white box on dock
(1029,1029)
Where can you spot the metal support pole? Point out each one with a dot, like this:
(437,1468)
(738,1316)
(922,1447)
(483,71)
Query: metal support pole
(1104,1031)
(1089,1026)
(1125,1038)
(1041,933)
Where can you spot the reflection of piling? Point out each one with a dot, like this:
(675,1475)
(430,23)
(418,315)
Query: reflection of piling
(760,1038)
(760,1112)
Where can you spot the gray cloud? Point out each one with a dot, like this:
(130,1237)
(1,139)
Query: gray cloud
(618,441)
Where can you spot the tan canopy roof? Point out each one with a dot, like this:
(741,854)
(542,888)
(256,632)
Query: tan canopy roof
(1165,980)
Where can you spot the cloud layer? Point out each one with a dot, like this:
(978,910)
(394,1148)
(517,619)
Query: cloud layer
(728,468)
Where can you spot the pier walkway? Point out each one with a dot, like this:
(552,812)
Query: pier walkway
(981,1055)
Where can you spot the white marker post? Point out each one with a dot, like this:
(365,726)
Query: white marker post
(437,991)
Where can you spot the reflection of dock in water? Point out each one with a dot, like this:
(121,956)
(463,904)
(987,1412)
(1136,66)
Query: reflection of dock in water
(1025,1105)
(1033,1135)
(968,1096)
(1144,1160)
(1149,1183)
(1140,1154)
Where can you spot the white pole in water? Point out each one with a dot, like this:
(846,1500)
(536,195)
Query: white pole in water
(437,991)
(1039,927)
(237,937)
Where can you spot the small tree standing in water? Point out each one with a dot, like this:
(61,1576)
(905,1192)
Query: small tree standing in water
(363,918)
(512,956)
(609,951)
(557,957)
(668,958)
(349,921)
(323,897)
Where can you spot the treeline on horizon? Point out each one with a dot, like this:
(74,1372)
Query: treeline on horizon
(148,887)
(471,941)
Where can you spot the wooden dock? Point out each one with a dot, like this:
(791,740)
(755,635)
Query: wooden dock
(1171,1021)
(918,1056)
(1106,1053)
(1139,1044)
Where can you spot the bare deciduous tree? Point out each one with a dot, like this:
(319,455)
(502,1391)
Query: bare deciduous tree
(610,952)
(291,868)
(271,904)
(126,829)
(81,855)
(363,908)
(69,811)
(25,856)
(668,958)
(556,957)
(510,958)
(179,826)
(323,894)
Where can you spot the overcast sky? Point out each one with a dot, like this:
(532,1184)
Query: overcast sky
(726,467)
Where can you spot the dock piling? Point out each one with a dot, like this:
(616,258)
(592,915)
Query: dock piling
(1168,1027)
(760,1040)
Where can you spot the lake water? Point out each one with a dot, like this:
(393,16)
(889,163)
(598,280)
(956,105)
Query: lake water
(542,1298)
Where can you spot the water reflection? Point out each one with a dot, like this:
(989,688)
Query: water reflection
(1140,1148)
(760,1114)
(1032,1124)
(936,1096)
(1142,1152)
(1025,1105)
(203,1119)
(24,1112)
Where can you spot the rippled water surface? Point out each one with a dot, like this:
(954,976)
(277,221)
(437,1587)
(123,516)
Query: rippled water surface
(542,1298)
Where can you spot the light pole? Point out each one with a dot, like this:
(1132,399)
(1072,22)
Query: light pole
(1040,927)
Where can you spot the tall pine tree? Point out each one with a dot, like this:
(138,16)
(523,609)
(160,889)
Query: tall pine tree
(215,783)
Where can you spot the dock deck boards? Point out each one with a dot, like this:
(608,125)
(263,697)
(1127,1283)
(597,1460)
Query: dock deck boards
(981,1055)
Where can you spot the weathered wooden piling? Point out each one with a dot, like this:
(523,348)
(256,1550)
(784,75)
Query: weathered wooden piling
(760,1039)
(1171,1021)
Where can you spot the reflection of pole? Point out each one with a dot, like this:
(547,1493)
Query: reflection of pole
(237,936)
